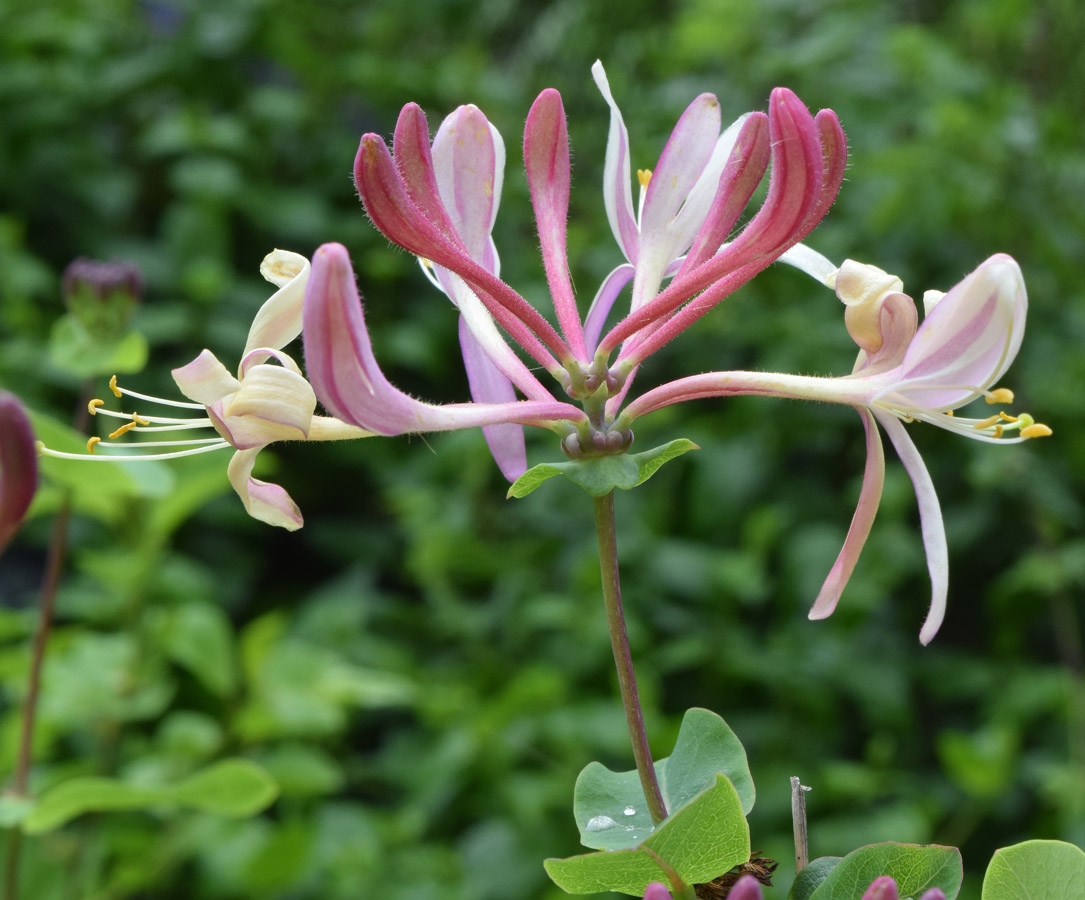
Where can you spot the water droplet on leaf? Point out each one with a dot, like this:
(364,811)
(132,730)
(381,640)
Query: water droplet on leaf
(600,823)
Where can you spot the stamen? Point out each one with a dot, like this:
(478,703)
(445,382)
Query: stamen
(643,176)
(113,387)
(986,423)
(999,395)
(998,431)
(114,457)
(1036,430)
(124,429)
(119,391)
(92,443)
(1006,417)
(949,412)
(92,406)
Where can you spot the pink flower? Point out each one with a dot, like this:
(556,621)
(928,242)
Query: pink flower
(438,200)
(967,341)
(269,400)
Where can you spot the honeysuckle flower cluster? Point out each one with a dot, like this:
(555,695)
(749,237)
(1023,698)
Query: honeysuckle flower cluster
(269,400)
(18,466)
(439,201)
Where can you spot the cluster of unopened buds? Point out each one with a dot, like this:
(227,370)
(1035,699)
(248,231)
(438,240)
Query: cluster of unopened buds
(748,888)
(684,253)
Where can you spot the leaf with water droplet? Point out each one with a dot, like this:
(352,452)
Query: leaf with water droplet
(699,842)
(705,746)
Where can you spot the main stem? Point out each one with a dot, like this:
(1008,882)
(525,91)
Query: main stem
(623,660)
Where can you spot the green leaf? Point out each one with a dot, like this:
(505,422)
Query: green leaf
(602,474)
(705,747)
(232,787)
(699,842)
(810,878)
(916,868)
(1035,870)
(198,636)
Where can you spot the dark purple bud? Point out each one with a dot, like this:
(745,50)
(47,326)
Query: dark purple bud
(102,295)
(18,466)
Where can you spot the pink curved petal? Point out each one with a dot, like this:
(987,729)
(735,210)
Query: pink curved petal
(681,163)
(389,204)
(604,301)
(263,501)
(18,466)
(278,321)
(657,891)
(489,385)
(469,162)
(800,187)
(870,496)
(745,168)
(546,157)
(617,191)
(205,379)
(348,381)
(969,339)
(930,520)
(274,404)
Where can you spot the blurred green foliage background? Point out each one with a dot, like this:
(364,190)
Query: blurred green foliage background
(424,667)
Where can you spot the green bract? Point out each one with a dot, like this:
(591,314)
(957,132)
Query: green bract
(602,474)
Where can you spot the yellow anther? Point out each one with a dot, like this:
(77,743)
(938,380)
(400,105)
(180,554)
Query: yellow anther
(92,407)
(92,443)
(644,176)
(999,395)
(986,423)
(1006,417)
(998,431)
(113,387)
(1036,430)
(139,420)
(949,412)
(124,429)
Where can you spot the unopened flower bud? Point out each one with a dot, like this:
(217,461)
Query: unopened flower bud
(102,295)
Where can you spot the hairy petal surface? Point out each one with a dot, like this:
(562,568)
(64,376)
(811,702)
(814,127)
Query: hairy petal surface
(350,384)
